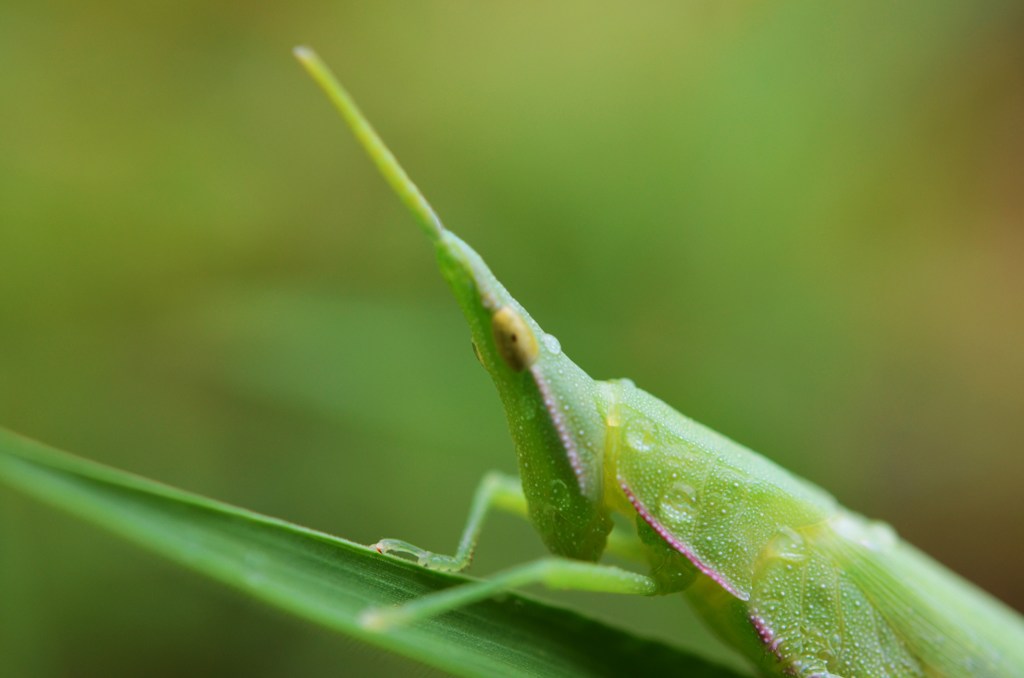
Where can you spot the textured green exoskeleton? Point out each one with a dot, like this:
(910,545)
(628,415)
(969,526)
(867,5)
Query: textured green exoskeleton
(798,584)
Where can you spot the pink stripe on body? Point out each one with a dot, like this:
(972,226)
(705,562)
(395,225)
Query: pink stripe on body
(678,545)
(558,420)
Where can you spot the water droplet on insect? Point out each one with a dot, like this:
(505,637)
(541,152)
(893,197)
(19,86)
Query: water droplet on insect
(787,544)
(880,536)
(679,504)
(552,344)
(559,494)
(638,436)
(875,535)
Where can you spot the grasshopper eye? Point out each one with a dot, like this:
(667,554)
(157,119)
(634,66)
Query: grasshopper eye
(514,339)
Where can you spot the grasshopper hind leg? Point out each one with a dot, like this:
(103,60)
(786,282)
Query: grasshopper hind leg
(555,573)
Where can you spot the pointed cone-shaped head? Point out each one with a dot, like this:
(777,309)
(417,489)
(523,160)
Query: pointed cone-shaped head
(555,410)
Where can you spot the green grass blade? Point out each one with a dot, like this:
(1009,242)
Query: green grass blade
(329,580)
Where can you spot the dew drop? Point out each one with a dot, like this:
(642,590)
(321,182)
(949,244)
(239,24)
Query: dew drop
(880,536)
(559,494)
(875,535)
(787,544)
(679,504)
(552,344)
(638,436)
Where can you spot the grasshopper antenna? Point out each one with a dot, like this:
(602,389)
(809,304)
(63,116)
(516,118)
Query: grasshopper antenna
(375,148)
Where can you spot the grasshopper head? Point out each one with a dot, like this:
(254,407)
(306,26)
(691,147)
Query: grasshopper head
(553,406)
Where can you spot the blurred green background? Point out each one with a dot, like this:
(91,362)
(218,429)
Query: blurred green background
(801,223)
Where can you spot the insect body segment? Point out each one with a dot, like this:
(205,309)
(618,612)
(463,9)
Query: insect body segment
(720,504)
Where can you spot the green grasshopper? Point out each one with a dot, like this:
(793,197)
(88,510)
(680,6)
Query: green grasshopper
(791,579)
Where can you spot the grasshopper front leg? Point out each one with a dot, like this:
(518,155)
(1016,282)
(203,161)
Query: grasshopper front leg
(496,491)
